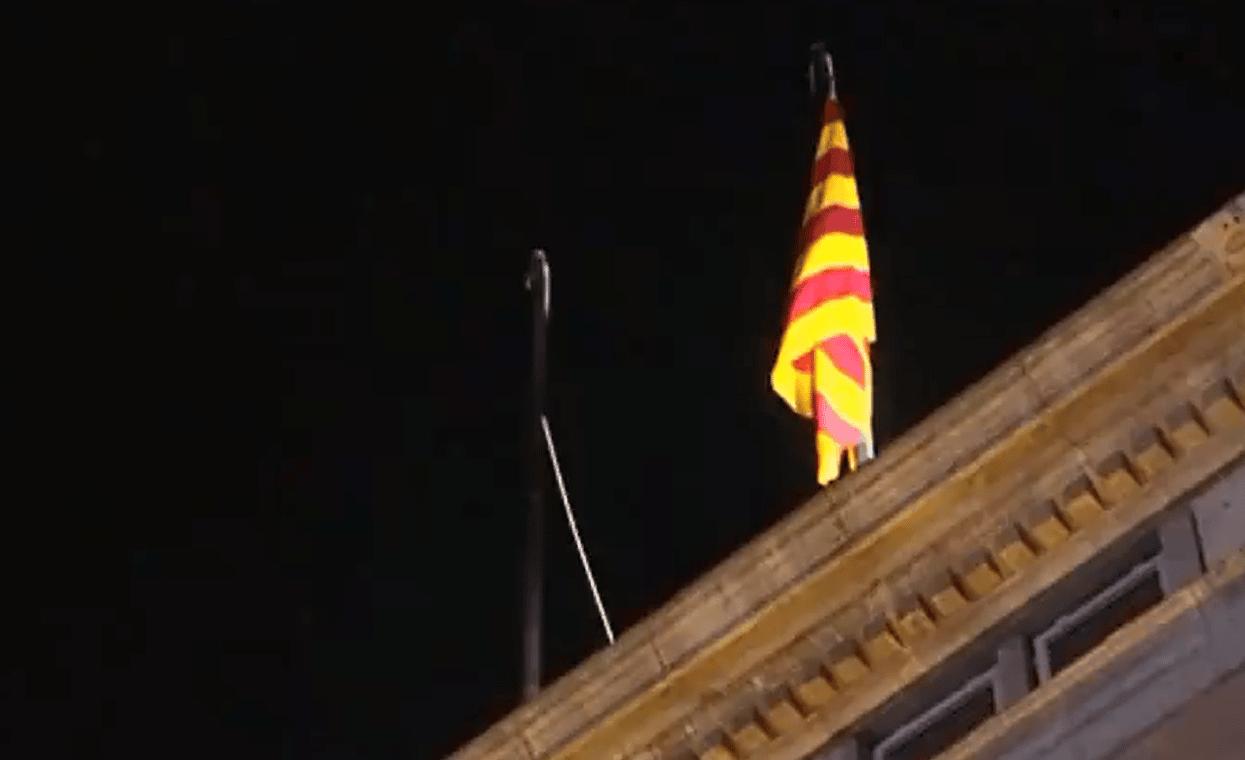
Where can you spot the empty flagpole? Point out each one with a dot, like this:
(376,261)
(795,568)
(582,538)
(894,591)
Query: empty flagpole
(538,283)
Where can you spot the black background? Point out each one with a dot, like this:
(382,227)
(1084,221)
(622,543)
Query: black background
(286,391)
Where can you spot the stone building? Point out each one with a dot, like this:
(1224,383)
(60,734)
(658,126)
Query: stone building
(1050,566)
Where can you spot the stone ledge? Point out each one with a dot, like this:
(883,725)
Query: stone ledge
(1009,600)
(999,406)
(916,576)
(1166,637)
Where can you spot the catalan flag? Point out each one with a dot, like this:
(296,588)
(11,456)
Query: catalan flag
(823,368)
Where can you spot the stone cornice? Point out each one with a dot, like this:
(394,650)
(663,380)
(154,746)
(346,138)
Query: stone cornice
(866,551)
(1072,532)
(1181,620)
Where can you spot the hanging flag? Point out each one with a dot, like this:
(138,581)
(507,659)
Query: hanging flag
(823,368)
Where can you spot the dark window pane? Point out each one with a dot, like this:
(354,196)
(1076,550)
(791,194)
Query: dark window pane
(1093,630)
(949,729)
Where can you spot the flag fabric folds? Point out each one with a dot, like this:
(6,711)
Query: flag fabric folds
(823,368)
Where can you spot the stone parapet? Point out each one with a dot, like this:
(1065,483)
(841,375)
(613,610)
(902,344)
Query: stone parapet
(1086,434)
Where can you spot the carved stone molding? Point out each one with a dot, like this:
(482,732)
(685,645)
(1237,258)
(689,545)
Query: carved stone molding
(1103,413)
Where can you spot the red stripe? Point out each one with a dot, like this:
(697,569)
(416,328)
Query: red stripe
(833,161)
(830,423)
(804,363)
(846,357)
(833,112)
(827,285)
(831,219)
(843,354)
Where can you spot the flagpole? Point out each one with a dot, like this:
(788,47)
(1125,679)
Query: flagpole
(538,283)
(866,450)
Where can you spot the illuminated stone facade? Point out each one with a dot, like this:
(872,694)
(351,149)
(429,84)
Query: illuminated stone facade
(1050,566)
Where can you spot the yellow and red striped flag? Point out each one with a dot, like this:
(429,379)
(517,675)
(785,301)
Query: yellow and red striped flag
(823,368)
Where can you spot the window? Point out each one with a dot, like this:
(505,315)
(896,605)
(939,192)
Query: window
(943,724)
(1076,633)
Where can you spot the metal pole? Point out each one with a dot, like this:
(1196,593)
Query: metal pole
(867,449)
(538,284)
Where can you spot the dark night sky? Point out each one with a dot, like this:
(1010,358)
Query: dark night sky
(291,419)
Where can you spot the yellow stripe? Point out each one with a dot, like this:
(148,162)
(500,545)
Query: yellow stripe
(836,190)
(838,249)
(848,315)
(852,402)
(828,455)
(833,135)
(796,388)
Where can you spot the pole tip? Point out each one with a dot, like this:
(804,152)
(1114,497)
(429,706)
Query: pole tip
(538,271)
(537,266)
(818,52)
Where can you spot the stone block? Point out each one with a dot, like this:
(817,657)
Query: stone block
(1015,556)
(848,671)
(1180,561)
(882,647)
(1220,516)
(914,624)
(748,738)
(1082,509)
(1011,681)
(1222,409)
(1151,454)
(1184,428)
(1116,480)
(814,692)
(947,601)
(717,752)
(980,580)
(1049,533)
(782,717)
